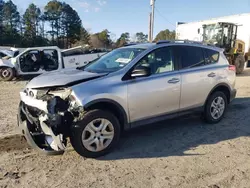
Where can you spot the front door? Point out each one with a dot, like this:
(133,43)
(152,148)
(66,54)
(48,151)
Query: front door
(38,61)
(157,94)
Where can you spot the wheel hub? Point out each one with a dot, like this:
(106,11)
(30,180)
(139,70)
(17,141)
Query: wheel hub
(5,73)
(217,107)
(98,135)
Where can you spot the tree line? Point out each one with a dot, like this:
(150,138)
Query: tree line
(58,24)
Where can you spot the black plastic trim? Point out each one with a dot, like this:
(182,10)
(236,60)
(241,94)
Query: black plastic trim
(166,116)
(215,87)
(125,117)
(233,95)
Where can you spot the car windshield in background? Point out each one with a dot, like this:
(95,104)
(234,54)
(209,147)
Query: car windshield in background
(114,60)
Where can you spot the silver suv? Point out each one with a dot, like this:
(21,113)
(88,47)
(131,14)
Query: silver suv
(128,87)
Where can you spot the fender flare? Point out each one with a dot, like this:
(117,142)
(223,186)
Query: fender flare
(116,104)
(217,86)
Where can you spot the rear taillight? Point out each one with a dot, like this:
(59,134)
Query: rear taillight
(232,68)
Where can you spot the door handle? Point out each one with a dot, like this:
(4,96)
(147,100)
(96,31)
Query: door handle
(212,74)
(173,80)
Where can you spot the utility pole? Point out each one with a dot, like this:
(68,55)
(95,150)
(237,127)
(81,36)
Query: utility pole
(151,20)
(149,27)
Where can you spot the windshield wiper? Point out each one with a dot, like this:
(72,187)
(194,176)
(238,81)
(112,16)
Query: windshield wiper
(81,67)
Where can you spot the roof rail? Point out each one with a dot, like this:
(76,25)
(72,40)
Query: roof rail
(186,42)
(179,41)
(130,44)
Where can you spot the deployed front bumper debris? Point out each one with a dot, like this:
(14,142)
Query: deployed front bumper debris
(45,120)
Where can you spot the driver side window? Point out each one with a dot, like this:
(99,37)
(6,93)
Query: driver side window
(159,60)
(28,61)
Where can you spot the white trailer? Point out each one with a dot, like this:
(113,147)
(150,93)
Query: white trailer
(193,30)
(39,60)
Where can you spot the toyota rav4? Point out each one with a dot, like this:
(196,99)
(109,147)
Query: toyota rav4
(125,88)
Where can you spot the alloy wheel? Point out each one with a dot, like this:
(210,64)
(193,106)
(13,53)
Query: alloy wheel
(98,135)
(217,107)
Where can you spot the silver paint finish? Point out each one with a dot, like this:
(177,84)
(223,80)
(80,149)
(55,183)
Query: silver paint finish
(154,95)
(149,96)
(60,78)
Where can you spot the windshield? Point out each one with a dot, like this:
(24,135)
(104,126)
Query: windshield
(114,60)
(213,34)
(221,35)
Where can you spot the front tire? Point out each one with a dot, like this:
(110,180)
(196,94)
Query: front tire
(96,134)
(215,107)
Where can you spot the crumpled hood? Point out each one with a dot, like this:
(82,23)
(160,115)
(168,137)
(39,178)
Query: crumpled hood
(61,78)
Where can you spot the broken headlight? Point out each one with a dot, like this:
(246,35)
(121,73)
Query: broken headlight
(41,93)
(63,93)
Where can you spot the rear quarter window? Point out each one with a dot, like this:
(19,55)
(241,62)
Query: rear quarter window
(211,56)
(189,56)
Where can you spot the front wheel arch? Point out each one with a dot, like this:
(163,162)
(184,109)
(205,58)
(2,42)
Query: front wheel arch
(76,137)
(111,106)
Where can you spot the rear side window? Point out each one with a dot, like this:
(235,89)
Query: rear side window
(211,56)
(190,56)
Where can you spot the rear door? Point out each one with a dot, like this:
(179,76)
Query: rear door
(199,74)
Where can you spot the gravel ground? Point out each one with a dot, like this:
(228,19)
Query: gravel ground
(176,153)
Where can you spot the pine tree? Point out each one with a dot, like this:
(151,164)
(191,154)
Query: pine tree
(71,24)
(124,39)
(11,19)
(1,22)
(31,20)
(84,36)
(52,14)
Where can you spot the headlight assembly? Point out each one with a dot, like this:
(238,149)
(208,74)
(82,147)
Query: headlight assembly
(63,93)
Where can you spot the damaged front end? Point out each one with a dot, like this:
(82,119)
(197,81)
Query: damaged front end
(45,117)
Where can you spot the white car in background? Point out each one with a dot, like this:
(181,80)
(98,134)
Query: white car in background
(39,60)
(7,54)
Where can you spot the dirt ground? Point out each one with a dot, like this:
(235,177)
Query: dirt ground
(176,153)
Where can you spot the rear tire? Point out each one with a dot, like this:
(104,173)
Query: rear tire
(7,74)
(83,133)
(214,110)
(239,64)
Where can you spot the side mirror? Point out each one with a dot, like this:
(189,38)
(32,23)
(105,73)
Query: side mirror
(198,31)
(141,72)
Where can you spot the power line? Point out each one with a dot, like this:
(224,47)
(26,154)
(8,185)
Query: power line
(164,17)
